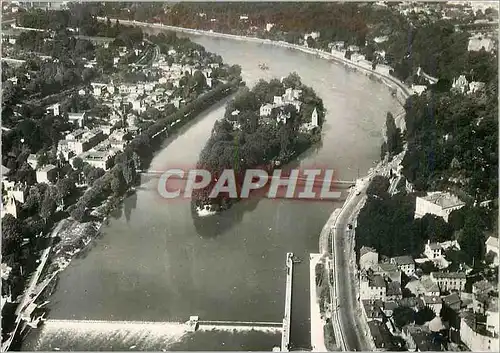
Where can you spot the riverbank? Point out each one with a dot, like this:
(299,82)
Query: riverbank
(75,236)
(386,79)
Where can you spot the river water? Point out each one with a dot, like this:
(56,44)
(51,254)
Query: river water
(156,262)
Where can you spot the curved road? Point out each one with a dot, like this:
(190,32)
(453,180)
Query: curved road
(349,317)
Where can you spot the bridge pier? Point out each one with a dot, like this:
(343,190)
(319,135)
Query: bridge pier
(285,333)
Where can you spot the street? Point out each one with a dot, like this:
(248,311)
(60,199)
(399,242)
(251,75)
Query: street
(345,277)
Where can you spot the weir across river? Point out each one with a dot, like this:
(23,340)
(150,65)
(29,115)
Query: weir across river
(132,328)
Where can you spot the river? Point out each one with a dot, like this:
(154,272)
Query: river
(155,262)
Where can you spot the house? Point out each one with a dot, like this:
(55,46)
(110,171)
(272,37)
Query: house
(353,48)
(313,35)
(368,257)
(32,161)
(419,89)
(449,281)
(433,250)
(492,318)
(452,301)
(423,286)
(492,247)
(476,86)
(53,109)
(11,206)
(337,45)
(388,270)
(434,302)
(475,336)
(419,338)
(77,118)
(99,159)
(282,117)
(265,109)
(440,204)
(18,191)
(373,309)
(380,336)
(269,26)
(405,264)
(278,100)
(460,84)
(46,174)
(477,43)
(372,287)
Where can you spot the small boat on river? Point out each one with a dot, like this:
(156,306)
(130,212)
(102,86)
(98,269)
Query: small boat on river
(263,66)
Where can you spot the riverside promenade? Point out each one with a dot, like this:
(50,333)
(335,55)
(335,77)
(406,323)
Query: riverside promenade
(285,333)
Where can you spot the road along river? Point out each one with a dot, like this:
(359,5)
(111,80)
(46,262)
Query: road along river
(156,262)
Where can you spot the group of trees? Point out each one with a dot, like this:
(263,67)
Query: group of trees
(387,224)
(394,141)
(243,140)
(454,136)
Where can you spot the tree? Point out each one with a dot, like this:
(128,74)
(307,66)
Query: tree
(427,267)
(311,43)
(424,315)
(78,163)
(394,141)
(78,212)
(48,205)
(11,235)
(64,188)
(378,187)
(403,315)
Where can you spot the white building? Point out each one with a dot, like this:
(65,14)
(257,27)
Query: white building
(265,110)
(492,246)
(440,204)
(477,341)
(46,174)
(433,250)
(368,257)
(405,264)
(33,161)
(419,89)
(278,100)
(460,84)
(477,43)
(269,26)
(54,109)
(372,287)
(448,281)
(77,118)
(476,86)
(313,35)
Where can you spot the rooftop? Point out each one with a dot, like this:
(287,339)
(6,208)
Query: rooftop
(492,241)
(451,299)
(377,281)
(365,250)
(457,275)
(381,335)
(403,260)
(394,288)
(46,168)
(443,199)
